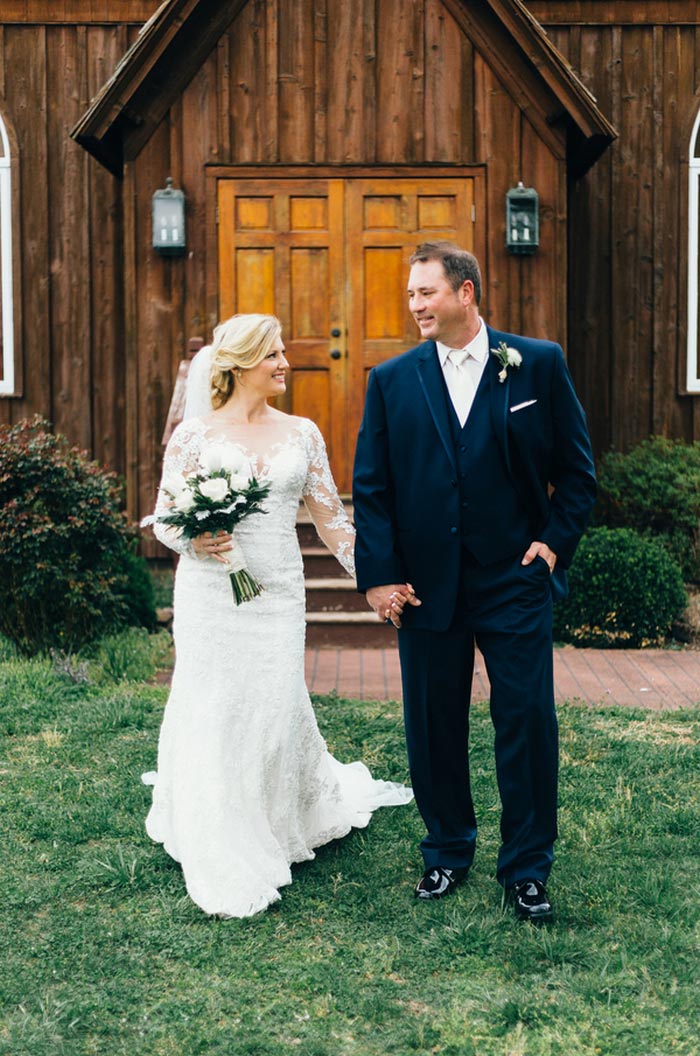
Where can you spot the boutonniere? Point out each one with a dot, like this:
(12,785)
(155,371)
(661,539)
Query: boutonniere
(507,357)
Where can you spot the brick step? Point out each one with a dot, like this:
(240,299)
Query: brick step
(340,630)
(349,630)
(328,594)
(306,529)
(319,563)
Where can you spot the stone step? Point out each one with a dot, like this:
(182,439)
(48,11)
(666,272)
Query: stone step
(340,630)
(306,529)
(349,630)
(336,615)
(334,594)
(319,563)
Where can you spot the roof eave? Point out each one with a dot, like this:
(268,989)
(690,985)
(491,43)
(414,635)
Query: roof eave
(589,128)
(168,52)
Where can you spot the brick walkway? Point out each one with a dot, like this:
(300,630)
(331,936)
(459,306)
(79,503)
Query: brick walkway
(647,678)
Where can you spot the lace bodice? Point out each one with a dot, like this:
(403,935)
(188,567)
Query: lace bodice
(290,455)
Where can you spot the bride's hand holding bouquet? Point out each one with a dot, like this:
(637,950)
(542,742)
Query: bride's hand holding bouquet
(207,504)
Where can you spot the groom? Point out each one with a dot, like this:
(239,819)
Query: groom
(473,483)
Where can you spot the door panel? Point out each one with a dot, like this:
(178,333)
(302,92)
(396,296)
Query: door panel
(281,252)
(330,257)
(385,220)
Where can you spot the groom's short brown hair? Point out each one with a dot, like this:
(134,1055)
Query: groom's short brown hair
(459,264)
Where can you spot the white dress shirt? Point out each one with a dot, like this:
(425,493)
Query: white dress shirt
(463,381)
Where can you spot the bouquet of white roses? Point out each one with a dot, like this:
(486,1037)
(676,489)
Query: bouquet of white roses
(215,498)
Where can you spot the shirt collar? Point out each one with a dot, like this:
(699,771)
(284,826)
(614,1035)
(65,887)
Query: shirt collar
(478,347)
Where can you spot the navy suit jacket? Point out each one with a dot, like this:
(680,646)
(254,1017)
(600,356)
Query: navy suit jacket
(406,504)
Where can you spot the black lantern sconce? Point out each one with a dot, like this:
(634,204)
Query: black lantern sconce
(169,221)
(522,220)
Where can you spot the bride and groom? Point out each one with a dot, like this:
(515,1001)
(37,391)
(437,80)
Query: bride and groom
(473,482)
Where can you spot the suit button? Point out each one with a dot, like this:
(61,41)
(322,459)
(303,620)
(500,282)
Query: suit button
(453,483)
(464,505)
(462,449)
(453,531)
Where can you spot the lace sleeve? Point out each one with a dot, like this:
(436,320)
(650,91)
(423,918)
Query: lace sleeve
(181,456)
(324,504)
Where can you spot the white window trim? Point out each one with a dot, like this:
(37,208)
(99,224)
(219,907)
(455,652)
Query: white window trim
(7,384)
(692,378)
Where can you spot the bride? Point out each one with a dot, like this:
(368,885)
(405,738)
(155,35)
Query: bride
(245,785)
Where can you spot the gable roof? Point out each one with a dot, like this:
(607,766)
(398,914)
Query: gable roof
(179,36)
(169,50)
(544,83)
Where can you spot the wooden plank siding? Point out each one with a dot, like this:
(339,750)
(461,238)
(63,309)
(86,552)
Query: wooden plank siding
(26,93)
(303,85)
(105,280)
(70,236)
(350,85)
(628,221)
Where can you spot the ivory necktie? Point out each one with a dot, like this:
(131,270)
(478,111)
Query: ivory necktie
(459,383)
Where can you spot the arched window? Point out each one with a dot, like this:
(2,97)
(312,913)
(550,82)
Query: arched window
(8,329)
(693,377)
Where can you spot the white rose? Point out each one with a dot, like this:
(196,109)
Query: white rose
(173,484)
(234,461)
(222,456)
(514,357)
(239,481)
(184,501)
(215,489)
(210,458)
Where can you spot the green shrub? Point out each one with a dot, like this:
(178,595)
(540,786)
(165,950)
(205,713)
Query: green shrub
(655,489)
(67,567)
(624,591)
(140,596)
(162,577)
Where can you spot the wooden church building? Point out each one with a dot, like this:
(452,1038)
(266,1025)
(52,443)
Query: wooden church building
(316,142)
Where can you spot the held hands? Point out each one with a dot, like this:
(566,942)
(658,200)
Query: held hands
(540,550)
(388,601)
(208,545)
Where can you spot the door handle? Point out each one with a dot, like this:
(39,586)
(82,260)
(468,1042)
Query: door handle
(336,353)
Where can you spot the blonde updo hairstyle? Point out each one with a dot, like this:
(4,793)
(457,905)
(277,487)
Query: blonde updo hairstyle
(239,343)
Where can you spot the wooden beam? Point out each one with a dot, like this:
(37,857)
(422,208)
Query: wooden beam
(156,69)
(615,12)
(77,12)
(504,55)
(553,68)
(538,78)
(131,347)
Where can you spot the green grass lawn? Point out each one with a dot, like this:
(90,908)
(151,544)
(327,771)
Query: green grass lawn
(102,952)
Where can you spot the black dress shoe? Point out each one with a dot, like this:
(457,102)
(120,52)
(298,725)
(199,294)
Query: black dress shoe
(438,882)
(530,900)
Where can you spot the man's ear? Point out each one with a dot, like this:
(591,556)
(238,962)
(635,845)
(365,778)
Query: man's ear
(467,292)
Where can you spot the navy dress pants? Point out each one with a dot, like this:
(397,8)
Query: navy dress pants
(507,609)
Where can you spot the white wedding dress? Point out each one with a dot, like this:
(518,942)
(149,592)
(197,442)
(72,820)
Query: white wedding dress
(245,785)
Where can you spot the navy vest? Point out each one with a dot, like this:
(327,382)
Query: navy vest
(493,521)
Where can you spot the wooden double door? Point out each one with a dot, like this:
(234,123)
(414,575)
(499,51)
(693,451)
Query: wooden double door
(329,257)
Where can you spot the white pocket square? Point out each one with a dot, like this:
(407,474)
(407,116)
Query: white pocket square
(520,406)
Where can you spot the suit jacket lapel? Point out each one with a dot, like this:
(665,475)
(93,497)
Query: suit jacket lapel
(429,375)
(500,397)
